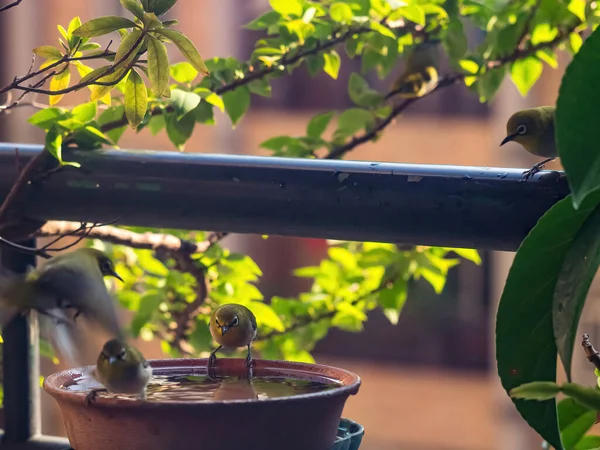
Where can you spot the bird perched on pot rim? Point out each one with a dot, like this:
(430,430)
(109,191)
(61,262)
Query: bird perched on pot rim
(232,326)
(121,369)
(70,281)
(534,129)
(420,75)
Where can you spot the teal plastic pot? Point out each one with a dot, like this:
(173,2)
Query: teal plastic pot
(349,435)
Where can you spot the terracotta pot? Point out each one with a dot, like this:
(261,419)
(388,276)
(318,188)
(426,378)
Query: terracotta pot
(300,422)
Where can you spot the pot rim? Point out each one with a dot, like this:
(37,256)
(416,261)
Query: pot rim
(52,383)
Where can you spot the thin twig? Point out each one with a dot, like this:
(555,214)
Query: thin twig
(10,5)
(592,354)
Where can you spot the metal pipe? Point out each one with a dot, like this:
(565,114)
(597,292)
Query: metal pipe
(20,367)
(454,206)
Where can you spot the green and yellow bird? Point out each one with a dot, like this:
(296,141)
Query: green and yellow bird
(122,369)
(68,282)
(232,326)
(534,129)
(420,75)
(73,280)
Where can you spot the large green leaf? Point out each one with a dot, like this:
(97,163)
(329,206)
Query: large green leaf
(574,280)
(575,421)
(577,120)
(525,347)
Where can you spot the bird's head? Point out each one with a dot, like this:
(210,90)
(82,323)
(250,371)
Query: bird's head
(226,318)
(113,351)
(105,264)
(523,127)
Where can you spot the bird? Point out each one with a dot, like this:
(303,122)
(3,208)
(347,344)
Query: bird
(534,129)
(420,75)
(69,281)
(121,369)
(232,326)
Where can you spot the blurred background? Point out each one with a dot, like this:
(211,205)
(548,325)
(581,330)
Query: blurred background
(428,383)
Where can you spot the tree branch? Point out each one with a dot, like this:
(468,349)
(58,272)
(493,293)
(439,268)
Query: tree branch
(449,80)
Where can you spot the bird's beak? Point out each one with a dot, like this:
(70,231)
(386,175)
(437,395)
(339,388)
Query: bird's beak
(117,276)
(224,330)
(112,359)
(508,138)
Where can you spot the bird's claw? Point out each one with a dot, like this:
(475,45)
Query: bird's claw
(531,172)
(92,395)
(249,365)
(210,368)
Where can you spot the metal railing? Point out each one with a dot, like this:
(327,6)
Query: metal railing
(453,206)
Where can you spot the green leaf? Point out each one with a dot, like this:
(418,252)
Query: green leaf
(48,51)
(413,13)
(577,7)
(455,40)
(574,279)
(332,64)
(134,7)
(489,83)
(575,420)
(136,99)
(287,7)
(151,22)
(102,26)
(383,30)
(392,300)
(537,390)
(525,348)
(360,92)
(576,120)
(265,21)
(341,12)
(54,140)
(525,72)
(45,118)
(125,54)
(236,103)
(158,66)
(179,131)
(204,113)
(183,72)
(318,124)
(353,120)
(200,338)
(158,7)
(111,115)
(156,124)
(586,396)
(84,112)
(149,303)
(183,101)
(266,316)
(186,47)
(467,253)
(57,83)
(589,442)
(260,87)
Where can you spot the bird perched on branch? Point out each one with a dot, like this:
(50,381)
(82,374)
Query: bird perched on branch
(232,326)
(121,369)
(70,281)
(420,75)
(534,130)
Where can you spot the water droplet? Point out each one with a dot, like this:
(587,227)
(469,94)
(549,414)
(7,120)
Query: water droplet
(282,184)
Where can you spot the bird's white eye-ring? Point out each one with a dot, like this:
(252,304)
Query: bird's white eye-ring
(234,322)
(521,129)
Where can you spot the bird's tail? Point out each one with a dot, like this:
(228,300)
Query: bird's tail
(14,290)
(64,336)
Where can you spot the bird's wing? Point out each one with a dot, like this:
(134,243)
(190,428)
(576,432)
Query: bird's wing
(82,290)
